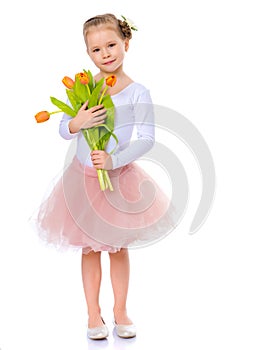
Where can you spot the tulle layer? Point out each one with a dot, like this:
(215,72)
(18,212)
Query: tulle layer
(78,214)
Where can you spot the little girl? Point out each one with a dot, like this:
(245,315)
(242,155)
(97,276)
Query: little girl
(77,213)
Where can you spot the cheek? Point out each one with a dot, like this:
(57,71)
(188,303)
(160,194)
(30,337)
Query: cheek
(90,54)
(121,52)
(93,57)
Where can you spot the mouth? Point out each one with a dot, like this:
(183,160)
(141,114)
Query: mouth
(109,62)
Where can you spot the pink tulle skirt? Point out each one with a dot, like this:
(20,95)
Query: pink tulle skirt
(78,214)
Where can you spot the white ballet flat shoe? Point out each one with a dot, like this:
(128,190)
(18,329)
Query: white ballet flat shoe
(125,330)
(98,333)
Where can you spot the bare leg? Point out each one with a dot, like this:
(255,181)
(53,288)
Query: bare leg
(91,275)
(119,263)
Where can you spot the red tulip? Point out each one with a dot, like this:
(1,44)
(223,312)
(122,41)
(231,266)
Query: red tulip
(42,117)
(68,82)
(83,77)
(111,80)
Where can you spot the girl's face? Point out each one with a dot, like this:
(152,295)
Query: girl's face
(106,49)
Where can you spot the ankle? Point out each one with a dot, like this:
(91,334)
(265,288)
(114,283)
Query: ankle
(121,317)
(95,320)
(119,310)
(94,312)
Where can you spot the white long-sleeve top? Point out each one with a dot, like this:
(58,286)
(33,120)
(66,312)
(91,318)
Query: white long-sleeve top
(133,111)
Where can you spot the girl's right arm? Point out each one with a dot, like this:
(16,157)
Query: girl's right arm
(86,118)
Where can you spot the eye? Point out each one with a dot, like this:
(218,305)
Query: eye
(95,50)
(112,45)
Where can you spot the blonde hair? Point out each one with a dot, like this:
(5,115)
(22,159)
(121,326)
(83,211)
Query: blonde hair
(121,27)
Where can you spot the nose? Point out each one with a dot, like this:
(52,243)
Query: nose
(105,53)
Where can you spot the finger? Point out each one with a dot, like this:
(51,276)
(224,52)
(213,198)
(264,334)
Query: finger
(97,124)
(98,164)
(84,106)
(99,119)
(99,113)
(92,123)
(95,157)
(96,152)
(96,108)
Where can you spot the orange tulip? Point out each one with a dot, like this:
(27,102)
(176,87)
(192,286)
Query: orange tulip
(68,82)
(111,80)
(42,117)
(83,77)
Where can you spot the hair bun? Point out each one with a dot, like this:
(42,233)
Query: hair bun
(125,29)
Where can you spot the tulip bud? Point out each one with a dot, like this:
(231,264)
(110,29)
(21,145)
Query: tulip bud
(83,77)
(42,117)
(68,82)
(111,80)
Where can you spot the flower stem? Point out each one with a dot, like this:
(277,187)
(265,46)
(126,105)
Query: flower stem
(108,181)
(102,95)
(88,90)
(101,179)
(55,112)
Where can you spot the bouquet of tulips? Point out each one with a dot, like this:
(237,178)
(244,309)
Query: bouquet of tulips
(85,88)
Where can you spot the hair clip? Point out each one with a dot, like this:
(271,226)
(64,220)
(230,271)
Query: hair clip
(129,22)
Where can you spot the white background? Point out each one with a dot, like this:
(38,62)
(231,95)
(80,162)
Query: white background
(217,63)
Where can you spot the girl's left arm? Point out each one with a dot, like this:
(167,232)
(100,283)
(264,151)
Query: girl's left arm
(145,126)
(64,126)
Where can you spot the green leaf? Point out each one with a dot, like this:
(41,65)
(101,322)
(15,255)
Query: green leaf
(74,100)
(89,139)
(104,139)
(63,106)
(110,109)
(93,99)
(106,136)
(80,91)
(105,131)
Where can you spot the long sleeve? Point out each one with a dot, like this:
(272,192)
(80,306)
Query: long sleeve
(64,127)
(144,123)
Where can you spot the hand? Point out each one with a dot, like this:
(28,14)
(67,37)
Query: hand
(87,118)
(101,160)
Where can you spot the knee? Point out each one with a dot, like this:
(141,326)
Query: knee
(123,252)
(91,253)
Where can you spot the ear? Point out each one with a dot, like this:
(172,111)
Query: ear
(126,44)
